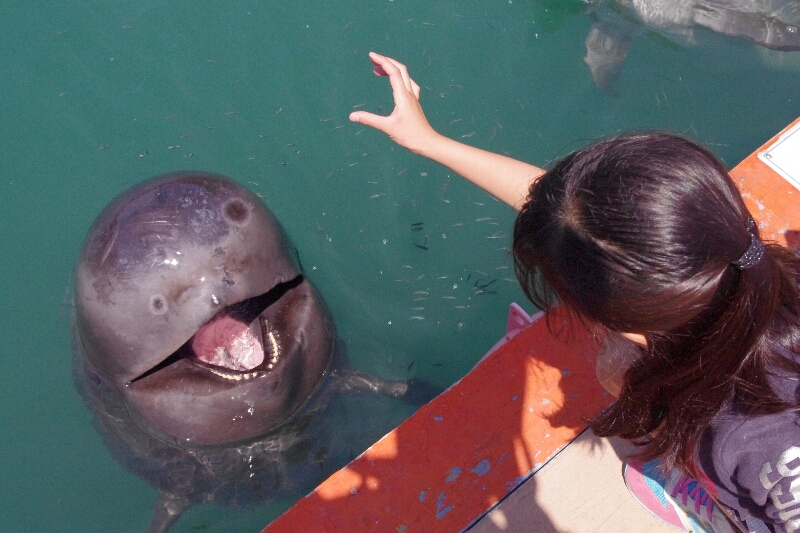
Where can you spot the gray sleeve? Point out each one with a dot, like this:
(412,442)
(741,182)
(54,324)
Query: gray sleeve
(757,462)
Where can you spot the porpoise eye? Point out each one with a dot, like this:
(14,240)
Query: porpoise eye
(236,212)
(158,304)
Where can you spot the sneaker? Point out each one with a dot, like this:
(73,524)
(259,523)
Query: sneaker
(675,498)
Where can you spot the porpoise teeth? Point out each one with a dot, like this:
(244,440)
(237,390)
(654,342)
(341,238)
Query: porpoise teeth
(276,349)
(234,377)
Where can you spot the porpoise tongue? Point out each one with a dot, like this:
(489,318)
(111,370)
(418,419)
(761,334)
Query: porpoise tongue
(228,343)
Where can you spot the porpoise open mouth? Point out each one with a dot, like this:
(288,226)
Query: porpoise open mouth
(237,343)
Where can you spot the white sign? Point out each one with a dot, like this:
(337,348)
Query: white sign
(784,156)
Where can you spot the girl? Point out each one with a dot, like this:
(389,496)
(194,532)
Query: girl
(647,237)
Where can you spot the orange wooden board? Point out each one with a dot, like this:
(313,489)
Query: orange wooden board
(467,449)
(772,200)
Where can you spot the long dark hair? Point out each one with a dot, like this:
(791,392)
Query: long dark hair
(637,234)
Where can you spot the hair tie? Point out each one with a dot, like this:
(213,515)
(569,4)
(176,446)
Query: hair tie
(752,255)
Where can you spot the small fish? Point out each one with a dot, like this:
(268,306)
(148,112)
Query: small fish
(485,285)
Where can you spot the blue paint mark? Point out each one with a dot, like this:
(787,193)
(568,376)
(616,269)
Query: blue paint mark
(422,495)
(441,508)
(444,511)
(566,373)
(481,468)
(453,474)
(438,418)
(511,485)
(514,399)
(502,458)
(402,529)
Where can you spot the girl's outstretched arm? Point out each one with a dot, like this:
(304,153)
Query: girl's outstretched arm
(504,177)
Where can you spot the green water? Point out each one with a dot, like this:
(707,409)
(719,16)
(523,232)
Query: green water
(98,96)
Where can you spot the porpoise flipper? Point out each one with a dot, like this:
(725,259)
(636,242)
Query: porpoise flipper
(607,46)
(168,509)
(410,392)
(420,392)
(355,381)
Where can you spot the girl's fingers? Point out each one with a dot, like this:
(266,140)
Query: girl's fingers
(403,72)
(368,119)
(400,92)
(387,64)
(378,70)
(415,88)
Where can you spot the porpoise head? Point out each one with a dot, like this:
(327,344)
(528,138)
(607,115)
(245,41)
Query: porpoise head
(188,300)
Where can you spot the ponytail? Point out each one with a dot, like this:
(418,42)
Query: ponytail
(671,394)
(647,233)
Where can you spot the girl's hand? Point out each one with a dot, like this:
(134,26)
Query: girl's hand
(407,125)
